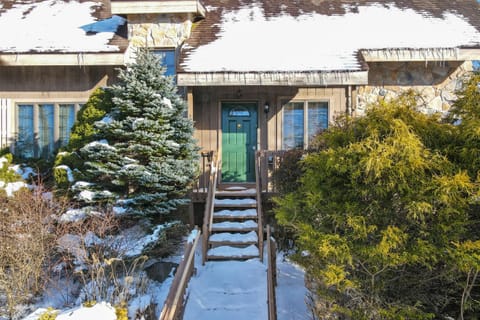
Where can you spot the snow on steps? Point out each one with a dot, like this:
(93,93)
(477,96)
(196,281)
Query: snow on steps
(226,226)
(236,203)
(234,238)
(235,214)
(236,193)
(229,252)
(228,290)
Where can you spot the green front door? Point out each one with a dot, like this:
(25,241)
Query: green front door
(239,141)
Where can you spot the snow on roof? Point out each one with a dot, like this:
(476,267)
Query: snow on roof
(56,26)
(250,40)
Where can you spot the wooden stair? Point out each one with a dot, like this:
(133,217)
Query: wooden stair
(234,233)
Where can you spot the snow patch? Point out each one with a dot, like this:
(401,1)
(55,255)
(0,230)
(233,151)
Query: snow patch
(228,251)
(51,25)
(167,102)
(99,144)
(70,177)
(80,185)
(192,236)
(236,290)
(24,171)
(234,237)
(12,187)
(106,120)
(133,241)
(101,310)
(73,215)
(248,27)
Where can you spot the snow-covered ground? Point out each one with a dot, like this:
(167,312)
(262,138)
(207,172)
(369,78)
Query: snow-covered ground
(291,291)
(228,290)
(238,290)
(219,290)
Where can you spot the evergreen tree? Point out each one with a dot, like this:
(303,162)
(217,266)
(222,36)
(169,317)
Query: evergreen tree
(386,218)
(144,156)
(82,132)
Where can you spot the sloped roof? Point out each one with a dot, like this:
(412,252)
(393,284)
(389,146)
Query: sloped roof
(60,26)
(322,35)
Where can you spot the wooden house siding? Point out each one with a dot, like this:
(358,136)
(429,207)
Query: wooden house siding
(53,81)
(52,85)
(207,110)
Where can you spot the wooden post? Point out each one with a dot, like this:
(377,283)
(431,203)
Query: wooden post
(190,103)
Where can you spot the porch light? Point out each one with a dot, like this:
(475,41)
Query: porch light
(266,107)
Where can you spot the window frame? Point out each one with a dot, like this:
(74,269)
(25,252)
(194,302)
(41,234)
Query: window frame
(35,130)
(161,50)
(306,102)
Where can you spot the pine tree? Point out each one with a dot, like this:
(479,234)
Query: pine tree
(144,156)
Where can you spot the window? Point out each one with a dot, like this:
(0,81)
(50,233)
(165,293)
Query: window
(168,60)
(302,120)
(66,118)
(46,139)
(25,140)
(239,112)
(43,127)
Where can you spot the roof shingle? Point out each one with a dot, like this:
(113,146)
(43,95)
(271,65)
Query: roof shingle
(322,35)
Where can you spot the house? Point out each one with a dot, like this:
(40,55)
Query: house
(55,53)
(268,75)
(257,75)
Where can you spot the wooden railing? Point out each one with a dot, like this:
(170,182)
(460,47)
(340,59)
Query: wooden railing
(258,184)
(269,162)
(175,302)
(207,158)
(271,276)
(209,205)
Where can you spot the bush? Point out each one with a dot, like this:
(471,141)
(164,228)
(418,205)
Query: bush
(287,176)
(384,218)
(6,174)
(50,314)
(27,245)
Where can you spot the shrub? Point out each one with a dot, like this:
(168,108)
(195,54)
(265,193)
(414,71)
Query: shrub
(27,245)
(50,314)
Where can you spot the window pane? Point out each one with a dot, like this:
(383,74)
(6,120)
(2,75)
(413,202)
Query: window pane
(45,130)
(66,118)
(25,140)
(168,60)
(317,118)
(239,112)
(293,125)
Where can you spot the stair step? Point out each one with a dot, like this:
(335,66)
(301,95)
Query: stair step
(235,203)
(228,226)
(233,253)
(231,192)
(235,214)
(226,238)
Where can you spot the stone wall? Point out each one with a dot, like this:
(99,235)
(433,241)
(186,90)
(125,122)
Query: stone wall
(436,82)
(157,30)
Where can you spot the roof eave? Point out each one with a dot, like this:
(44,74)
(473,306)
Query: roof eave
(62,59)
(420,54)
(158,7)
(285,78)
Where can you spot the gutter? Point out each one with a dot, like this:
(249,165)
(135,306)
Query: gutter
(281,78)
(62,59)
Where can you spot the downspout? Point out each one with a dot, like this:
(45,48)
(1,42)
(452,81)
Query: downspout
(349,101)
